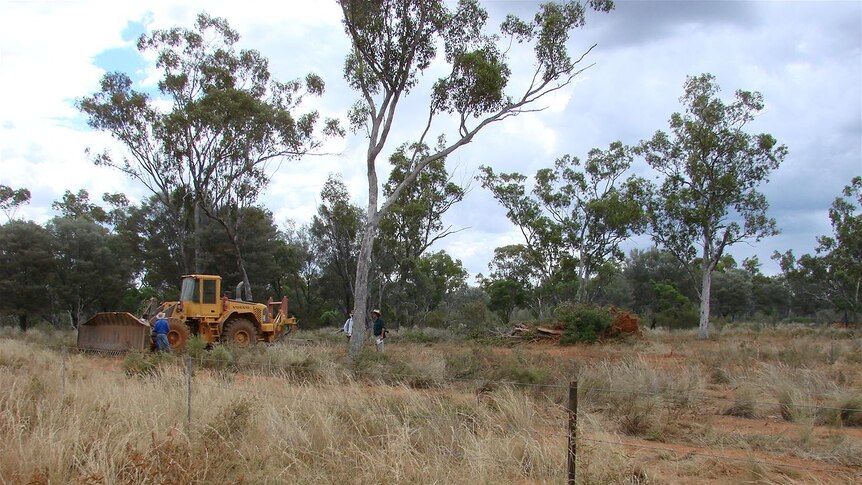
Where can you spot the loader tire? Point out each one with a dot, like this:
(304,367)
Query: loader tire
(240,332)
(178,335)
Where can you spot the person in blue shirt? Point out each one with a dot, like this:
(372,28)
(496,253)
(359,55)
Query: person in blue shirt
(379,329)
(162,328)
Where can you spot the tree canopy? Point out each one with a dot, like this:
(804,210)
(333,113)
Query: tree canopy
(394,41)
(577,216)
(227,120)
(708,199)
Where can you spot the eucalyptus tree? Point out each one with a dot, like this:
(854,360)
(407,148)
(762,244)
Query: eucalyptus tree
(95,263)
(732,293)
(525,271)
(152,229)
(843,249)
(534,263)
(94,268)
(395,41)
(444,275)
(261,243)
(78,206)
(301,272)
(11,199)
(712,167)
(411,226)
(577,215)
(27,264)
(228,120)
(832,277)
(335,234)
(770,295)
(644,267)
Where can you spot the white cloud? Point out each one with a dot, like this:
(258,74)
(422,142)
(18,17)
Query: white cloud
(803,56)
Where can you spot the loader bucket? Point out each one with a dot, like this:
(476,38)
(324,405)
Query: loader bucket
(114,331)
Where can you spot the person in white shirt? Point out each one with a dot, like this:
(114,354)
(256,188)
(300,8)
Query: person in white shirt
(348,326)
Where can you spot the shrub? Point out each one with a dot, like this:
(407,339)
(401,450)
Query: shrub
(583,323)
(219,359)
(196,347)
(520,369)
(474,319)
(332,317)
(420,335)
(466,365)
(140,364)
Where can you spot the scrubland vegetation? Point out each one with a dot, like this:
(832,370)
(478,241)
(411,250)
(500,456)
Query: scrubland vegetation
(753,405)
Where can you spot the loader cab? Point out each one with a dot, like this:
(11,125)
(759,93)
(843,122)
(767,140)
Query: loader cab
(199,295)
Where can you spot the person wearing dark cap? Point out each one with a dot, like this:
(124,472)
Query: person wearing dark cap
(379,329)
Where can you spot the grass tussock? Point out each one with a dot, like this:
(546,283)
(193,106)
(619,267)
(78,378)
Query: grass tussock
(746,403)
(429,410)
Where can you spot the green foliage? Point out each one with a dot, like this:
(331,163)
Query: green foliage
(584,323)
(196,347)
(394,42)
(468,313)
(93,267)
(139,364)
(11,199)
(411,225)
(711,168)
(477,321)
(331,317)
(220,358)
(731,293)
(644,267)
(672,308)
(418,336)
(26,264)
(576,216)
(334,233)
(225,120)
(504,297)
(78,206)
(834,273)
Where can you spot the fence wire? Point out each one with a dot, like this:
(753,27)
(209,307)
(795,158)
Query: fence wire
(666,396)
(692,450)
(670,397)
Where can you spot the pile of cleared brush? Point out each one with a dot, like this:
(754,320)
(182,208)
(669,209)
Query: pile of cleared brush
(619,323)
(533,333)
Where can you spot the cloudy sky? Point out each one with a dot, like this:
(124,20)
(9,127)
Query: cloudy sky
(804,57)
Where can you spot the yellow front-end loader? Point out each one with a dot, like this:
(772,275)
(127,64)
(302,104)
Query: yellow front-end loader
(199,311)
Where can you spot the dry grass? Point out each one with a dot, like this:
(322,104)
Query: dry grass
(651,411)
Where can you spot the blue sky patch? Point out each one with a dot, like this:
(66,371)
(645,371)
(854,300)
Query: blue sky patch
(122,59)
(134,30)
(125,59)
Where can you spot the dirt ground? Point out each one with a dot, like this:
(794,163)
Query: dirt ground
(680,462)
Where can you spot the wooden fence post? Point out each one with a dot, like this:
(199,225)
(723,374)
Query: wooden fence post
(573,430)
